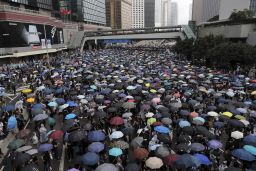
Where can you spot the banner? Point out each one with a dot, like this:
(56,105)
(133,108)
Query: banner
(64,7)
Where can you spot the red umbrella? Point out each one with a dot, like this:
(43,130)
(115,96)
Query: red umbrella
(116,121)
(140,153)
(170,159)
(56,135)
(157,123)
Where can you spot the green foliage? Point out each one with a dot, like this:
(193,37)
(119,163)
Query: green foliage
(216,51)
(215,18)
(241,15)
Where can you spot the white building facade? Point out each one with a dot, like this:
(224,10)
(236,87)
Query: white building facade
(137,13)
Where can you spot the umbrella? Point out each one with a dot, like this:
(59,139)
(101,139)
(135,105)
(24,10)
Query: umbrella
(161,129)
(31,167)
(198,121)
(166,121)
(25,91)
(236,123)
(132,167)
(64,106)
(184,147)
(130,131)
(96,147)
(36,111)
(32,151)
(8,108)
(120,144)
(250,140)
(150,121)
(45,147)
(127,115)
(23,133)
(77,135)
(154,163)
(70,116)
(214,144)
(12,122)
(185,161)
(251,149)
(57,134)
(237,135)
(24,148)
(40,117)
(51,121)
(170,159)
(38,106)
(183,124)
(116,121)
(106,167)
(202,159)
(115,152)
(204,131)
(30,100)
(53,104)
(140,153)
(116,135)
(90,158)
(197,147)
(71,104)
(16,144)
(243,155)
(96,136)
(128,105)
(162,151)
(137,142)
(21,158)
(60,101)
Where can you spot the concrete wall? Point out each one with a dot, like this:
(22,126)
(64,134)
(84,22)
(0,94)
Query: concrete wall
(228,31)
(227,6)
(68,30)
(252,38)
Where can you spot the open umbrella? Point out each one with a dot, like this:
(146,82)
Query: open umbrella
(132,167)
(154,163)
(96,136)
(115,152)
(162,151)
(140,153)
(162,129)
(106,167)
(214,144)
(243,155)
(90,158)
(120,144)
(57,134)
(12,122)
(251,149)
(24,148)
(202,159)
(8,108)
(21,158)
(250,140)
(237,135)
(53,104)
(96,147)
(16,144)
(116,135)
(32,151)
(45,147)
(183,124)
(40,117)
(128,105)
(170,159)
(185,161)
(76,136)
(71,104)
(70,116)
(137,142)
(116,121)
(197,147)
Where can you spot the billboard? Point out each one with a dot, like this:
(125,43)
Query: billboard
(15,34)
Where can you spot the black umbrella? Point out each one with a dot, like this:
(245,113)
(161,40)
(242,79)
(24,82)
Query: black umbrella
(164,138)
(31,167)
(190,130)
(182,147)
(77,135)
(236,123)
(132,167)
(204,131)
(184,139)
(21,158)
(130,131)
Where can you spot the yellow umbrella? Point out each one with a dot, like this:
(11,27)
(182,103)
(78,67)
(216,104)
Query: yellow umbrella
(153,91)
(151,121)
(228,114)
(27,91)
(30,100)
(240,117)
(147,84)
(253,93)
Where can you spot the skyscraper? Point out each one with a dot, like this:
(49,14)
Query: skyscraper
(149,13)
(203,10)
(165,12)
(137,13)
(190,11)
(119,14)
(253,6)
(174,14)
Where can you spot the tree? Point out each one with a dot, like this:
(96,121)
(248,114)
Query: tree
(241,15)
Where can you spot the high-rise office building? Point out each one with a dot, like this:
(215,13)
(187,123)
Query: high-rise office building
(174,14)
(190,11)
(119,14)
(137,13)
(149,13)
(203,10)
(253,6)
(165,12)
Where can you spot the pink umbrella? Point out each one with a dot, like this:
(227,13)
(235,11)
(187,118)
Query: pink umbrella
(156,100)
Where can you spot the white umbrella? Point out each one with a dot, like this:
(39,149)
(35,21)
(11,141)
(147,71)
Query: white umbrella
(24,148)
(116,135)
(127,115)
(212,113)
(237,135)
(80,96)
(62,107)
(230,93)
(149,115)
(154,163)
(32,151)
(84,101)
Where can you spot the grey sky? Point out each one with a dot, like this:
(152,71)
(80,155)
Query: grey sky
(183,10)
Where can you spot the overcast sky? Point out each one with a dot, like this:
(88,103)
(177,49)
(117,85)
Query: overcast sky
(183,10)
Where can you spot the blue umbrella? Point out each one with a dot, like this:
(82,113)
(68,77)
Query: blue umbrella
(60,101)
(90,158)
(72,104)
(185,161)
(47,91)
(197,147)
(202,159)
(218,124)
(250,140)
(59,91)
(70,116)
(8,108)
(12,122)
(162,129)
(96,147)
(243,155)
(183,124)
(184,112)
(38,106)
(251,149)
(214,144)
(96,136)
(115,152)
(45,147)
(52,104)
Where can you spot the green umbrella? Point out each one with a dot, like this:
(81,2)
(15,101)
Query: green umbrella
(51,121)
(16,144)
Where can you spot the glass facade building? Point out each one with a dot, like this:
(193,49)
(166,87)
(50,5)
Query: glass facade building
(253,6)
(149,16)
(34,4)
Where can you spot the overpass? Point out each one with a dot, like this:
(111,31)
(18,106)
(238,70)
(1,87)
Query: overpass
(172,32)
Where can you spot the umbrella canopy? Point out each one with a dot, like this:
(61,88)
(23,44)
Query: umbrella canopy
(117,135)
(115,152)
(162,129)
(251,149)
(243,155)
(137,142)
(71,104)
(120,144)
(30,167)
(24,148)
(96,147)
(12,122)
(70,116)
(183,124)
(140,153)
(185,161)
(170,159)
(21,158)
(197,147)
(40,117)
(53,104)
(162,151)
(16,144)
(214,144)
(45,147)
(132,167)
(76,136)
(128,105)
(90,158)
(96,136)
(106,167)
(116,121)
(57,134)
(202,159)
(237,135)
(250,140)
(32,151)
(154,163)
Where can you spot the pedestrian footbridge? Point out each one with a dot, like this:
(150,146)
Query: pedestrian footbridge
(173,32)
